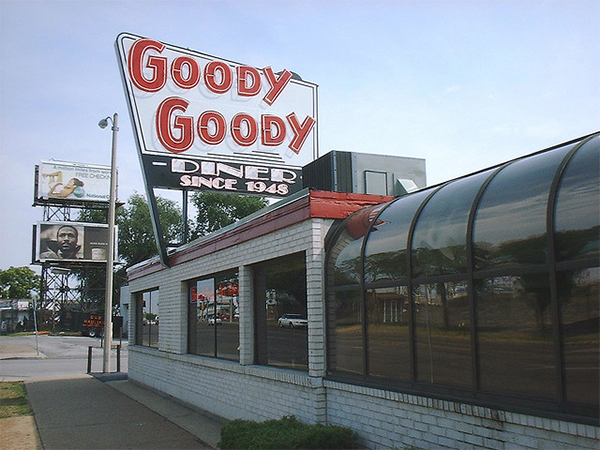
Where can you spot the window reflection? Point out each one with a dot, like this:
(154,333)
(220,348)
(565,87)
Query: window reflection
(516,351)
(345,350)
(388,333)
(510,225)
(579,292)
(149,320)
(228,317)
(344,261)
(442,332)
(578,206)
(214,317)
(202,310)
(281,308)
(440,238)
(536,337)
(385,252)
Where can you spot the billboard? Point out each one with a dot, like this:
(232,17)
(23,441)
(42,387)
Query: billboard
(206,123)
(72,242)
(67,182)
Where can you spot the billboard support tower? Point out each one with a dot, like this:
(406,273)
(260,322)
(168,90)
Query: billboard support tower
(60,213)
(56,292)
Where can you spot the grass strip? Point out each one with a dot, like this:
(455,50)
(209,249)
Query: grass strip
(13,400)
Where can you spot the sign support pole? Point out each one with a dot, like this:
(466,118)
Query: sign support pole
(111,244)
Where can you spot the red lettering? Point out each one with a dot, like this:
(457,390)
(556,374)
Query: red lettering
(248,81)
(183,124)
(219,127)
(182,66)
(217,76)
(300,131)
(244,138)
(278,83)
(157,64)
(273,130)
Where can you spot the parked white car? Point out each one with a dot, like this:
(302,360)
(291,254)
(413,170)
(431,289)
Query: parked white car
(292,321)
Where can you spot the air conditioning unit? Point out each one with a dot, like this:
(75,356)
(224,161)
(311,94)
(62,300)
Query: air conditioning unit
(365,173)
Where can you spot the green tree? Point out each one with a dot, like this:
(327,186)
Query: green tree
(136,242)
(216,210)
(18,283)
(136,235)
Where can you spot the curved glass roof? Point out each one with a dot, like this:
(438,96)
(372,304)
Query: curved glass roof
(485,287)
(501,214)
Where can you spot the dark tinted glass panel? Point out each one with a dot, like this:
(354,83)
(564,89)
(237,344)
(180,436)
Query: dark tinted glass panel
(579,292)
(284,324)
(440,238)
(510,225)
(228,320)
(578,206)
(385,253)
(388,333)
(202,336)
(515,336)
(148,333)
(344,260)
(345,344)
(443,339)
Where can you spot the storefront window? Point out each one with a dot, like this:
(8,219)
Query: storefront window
(443,338)
(578,206)
(510,225)
(498,299)
(345,263)
(388,320)
(346,345)
(515,335)
(214,316)
(579,293)
(281,313)
(385,251)
(148,319)
(440,238)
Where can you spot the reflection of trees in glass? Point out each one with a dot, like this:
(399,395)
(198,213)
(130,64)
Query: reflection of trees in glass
(385,266)
(575,244)
(348,271)
(442,261)
(530,250)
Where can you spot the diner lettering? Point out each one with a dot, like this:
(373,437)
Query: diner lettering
(224,177)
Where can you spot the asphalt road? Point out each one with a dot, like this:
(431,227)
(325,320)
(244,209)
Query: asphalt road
(58,356)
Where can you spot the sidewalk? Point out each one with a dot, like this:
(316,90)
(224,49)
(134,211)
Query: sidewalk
(102,411)
(11,350)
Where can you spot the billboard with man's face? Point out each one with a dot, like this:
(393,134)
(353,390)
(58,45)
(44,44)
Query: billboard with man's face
(71,242)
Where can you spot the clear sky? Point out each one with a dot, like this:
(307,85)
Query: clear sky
(463,84)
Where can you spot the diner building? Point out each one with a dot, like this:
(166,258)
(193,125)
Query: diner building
(460,315)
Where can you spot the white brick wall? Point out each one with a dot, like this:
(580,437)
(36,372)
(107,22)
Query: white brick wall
(383,419)
(392,420)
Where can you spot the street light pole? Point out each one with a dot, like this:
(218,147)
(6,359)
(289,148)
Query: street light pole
(111,243)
